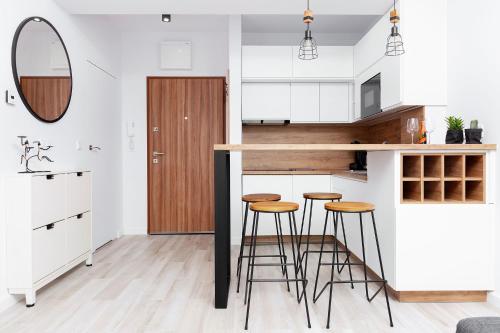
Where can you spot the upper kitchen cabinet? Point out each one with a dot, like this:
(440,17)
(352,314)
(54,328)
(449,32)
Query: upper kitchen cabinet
(335,102)
(333,62)
(305,102)
(265,101)
(419,77)
(266,62)
(282,62)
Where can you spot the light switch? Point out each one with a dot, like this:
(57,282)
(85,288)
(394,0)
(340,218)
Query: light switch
(78,145)
(10,98)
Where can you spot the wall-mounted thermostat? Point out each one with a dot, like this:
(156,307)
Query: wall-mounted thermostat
(9,98)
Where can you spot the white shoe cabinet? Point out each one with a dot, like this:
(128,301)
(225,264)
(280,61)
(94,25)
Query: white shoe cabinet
(48,228)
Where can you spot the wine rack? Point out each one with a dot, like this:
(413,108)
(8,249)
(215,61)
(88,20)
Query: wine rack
(442,178)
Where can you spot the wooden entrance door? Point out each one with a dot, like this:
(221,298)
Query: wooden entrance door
(186,117)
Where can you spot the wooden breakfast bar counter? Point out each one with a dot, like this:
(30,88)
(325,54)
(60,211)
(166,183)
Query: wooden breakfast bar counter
(444,194)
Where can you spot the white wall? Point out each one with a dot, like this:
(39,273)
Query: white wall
(473,72)
(141,58)
(93,116)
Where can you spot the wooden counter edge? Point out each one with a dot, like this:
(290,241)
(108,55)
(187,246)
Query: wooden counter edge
(352,147)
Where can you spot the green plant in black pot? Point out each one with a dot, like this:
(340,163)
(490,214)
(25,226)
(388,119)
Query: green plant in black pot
(455,133)
(474,134)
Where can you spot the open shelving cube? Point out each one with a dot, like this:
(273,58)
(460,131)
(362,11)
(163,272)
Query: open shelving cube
(443,178)
(412,191)
(453,166)
(433,191)
(433,166)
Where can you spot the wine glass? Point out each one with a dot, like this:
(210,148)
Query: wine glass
(412,127)
(429,125)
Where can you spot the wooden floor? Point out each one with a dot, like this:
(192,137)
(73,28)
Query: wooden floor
(165,284)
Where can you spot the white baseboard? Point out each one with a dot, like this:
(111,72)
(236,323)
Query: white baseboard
(494,298)
(135,231)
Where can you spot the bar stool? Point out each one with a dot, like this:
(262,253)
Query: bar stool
(248,199)
(276,208)
(340,208)
(321,196)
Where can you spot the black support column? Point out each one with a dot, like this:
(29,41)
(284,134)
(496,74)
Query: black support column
(222,227)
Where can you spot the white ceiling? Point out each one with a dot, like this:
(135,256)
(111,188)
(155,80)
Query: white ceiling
(224,7)
(179,23)
(339,24)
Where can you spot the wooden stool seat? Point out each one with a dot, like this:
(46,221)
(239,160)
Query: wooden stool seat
(322,196)
(260,197)
(350,207)
(274,207)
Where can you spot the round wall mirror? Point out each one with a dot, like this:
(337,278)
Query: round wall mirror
(42,69)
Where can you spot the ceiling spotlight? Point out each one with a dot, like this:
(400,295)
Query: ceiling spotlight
(166,17)
(37,19)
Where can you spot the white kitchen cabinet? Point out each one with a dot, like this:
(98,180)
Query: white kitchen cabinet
(279,184)
(305,102)
(333,62)
(311,183)
(42,244)
(418,77)
(335,102)
(265,101)
(266,61)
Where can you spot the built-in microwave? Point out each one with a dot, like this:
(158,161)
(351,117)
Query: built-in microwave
(370,97)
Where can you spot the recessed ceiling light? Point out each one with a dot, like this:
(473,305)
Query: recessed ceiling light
(37,19)
(166,17)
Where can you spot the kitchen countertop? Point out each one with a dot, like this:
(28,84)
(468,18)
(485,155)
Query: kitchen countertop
(352,147)
(354,175)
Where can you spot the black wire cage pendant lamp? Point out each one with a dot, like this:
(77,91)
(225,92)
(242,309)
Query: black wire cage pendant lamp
(308,48)
(395,45)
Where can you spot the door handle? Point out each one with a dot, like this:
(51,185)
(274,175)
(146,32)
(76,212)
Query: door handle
(155,154)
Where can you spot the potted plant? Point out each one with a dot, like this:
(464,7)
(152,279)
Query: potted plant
(455,133)
(474,134)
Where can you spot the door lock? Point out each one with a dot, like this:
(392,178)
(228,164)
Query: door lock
(156,161)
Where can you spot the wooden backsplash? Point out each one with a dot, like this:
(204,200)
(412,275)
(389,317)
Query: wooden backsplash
(391,129)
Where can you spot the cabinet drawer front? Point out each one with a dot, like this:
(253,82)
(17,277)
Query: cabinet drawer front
(49,247)
(78,236)
(48,199)
(79,193)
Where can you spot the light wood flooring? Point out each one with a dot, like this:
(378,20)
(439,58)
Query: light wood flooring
(165,284)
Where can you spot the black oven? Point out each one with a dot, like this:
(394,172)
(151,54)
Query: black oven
(370,97)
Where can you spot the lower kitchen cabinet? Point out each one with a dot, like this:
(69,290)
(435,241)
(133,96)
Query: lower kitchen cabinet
(291,188)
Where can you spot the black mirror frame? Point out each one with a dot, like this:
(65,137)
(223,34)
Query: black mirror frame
(14,67)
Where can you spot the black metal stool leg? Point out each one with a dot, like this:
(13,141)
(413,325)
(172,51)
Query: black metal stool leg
(382,269)
(284,253)
(295,260)
(279,244)
(242,245)
(308,238)
(302,224)
(249,253)
(320,256)
(348,253)
(252,258)
(364,257)
(291,216)
(332,274)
